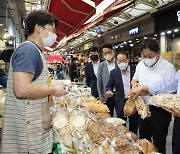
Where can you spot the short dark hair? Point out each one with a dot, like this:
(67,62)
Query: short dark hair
(124,53)
(74,59)
(149,44)
(93,49)
(108,46)
(41,18)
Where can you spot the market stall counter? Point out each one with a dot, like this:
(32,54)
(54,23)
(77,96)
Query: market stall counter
(83,125)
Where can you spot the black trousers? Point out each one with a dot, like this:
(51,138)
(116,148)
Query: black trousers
(156,127)
(111,104)
(176,136)
(133,120)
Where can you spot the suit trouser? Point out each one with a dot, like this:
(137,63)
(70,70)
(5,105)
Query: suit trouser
(133,123)
(176,136)
(157,127)
(111,104)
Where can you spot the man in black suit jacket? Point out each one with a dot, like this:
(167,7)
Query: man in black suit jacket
(91,70)
(120,79)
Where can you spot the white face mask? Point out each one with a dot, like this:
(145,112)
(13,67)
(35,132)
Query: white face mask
(123,66)
(109,57)
(49,40)
(149,62)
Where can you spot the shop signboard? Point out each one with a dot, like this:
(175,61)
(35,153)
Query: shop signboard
(167,19)
(167,56)
(134,31)
(88,45)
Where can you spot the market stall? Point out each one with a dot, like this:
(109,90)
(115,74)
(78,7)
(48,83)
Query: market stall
(83,125)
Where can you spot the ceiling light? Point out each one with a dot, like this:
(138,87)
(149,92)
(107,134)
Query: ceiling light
(125,42)
(1,25)
(163,33)
(137,39)
(145,37)
(131,45)
(169,32)
(176,30)
(121,46)
(155,34)
(154,38)
(130,41)
(10,42)
(5,30)
(6,35)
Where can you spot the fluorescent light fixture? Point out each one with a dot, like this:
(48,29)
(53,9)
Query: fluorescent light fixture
(154,38)
(131,45)
(48,48)
(145,37)
(163,33)
(168,32)
(137,39)
(121,46)
(155,34)
(176,30)
(6,35)
(130,41)
(10,42)
(1,25)
(125,42)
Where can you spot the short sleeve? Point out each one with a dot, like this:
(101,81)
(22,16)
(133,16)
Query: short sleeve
(26,58)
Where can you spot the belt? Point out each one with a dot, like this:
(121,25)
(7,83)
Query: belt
(177,120)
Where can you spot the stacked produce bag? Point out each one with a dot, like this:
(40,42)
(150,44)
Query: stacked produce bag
(83,125)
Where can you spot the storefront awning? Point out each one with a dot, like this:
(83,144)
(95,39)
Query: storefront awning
(54,58)
(72,14)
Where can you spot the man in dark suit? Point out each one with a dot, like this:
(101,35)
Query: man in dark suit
(120,79)
(73,69)
(91,70)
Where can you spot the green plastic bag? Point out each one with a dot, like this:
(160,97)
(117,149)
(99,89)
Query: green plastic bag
(56,148)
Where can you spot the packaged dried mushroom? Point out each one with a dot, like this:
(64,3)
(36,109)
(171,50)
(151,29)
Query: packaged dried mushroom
(166,100)
(142,107)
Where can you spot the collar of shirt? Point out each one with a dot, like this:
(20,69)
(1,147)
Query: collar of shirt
(96,63)
(112,61)
(111,66)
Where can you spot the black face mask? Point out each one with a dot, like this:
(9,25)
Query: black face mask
(94,57)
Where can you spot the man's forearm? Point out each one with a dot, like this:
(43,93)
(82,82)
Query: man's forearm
(34,91)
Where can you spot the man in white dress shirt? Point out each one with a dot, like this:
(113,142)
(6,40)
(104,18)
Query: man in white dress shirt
(153,69)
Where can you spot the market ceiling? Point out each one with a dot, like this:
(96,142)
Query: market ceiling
(79,19)
(73,15)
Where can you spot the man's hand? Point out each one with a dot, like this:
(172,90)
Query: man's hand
(134,84)
(101,99)
(138,91)
(174,111)
(59,90)
(109,94)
